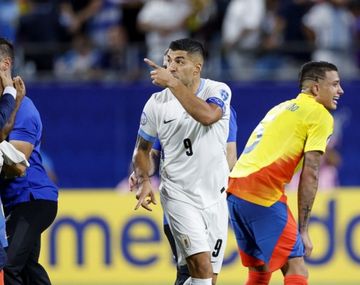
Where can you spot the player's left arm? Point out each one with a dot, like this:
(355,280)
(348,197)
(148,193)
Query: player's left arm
(141,159)
(320,127)
(308,185)
(142,167)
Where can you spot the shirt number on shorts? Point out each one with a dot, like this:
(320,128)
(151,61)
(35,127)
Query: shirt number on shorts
(188,147)
(217,248)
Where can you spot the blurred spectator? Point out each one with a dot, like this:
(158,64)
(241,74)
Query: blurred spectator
(206,23)
(206,26)
(9,13)
(270,59)
(23,5)
(130,12)
(38,27)
(259,38)
(83,60)
(241,35)
(354,7)
(290,14)
(284,43)
(333,34)
(136,49)
(163,21)
(108,17)
(75,15)
(202,11)
(114,57)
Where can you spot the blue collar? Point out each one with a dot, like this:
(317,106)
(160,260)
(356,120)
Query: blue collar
(201,86)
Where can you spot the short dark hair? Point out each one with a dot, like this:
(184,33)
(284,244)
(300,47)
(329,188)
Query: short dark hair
(314,70)
(189,45)
(7,49)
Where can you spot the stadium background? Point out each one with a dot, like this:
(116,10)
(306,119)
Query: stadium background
(90,128)
(91,116)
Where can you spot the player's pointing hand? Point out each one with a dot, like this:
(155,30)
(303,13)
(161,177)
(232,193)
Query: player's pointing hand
(159,75)
(151,63)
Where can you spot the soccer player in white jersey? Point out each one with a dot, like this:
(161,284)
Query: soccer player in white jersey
(190,117)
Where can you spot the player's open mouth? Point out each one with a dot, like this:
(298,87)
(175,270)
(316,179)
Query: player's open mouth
(335,99)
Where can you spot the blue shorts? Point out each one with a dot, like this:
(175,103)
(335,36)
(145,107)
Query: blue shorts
(265,235)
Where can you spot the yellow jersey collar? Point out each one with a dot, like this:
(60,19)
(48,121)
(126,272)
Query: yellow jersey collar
(305,96)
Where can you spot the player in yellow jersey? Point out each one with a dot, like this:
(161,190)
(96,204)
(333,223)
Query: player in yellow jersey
(293,131)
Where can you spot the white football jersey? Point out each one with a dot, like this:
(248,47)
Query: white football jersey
(193,168)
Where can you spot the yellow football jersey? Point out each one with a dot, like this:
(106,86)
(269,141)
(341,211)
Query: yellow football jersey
(276,146)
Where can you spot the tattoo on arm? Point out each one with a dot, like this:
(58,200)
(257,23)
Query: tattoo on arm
(141,159)
(306,217)
(142,144)
(313,163)
(308,187)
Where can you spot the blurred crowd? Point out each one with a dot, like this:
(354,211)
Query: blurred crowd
(245,39)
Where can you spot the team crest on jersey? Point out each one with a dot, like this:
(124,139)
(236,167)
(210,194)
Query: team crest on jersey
(224,95)
(185,241)
(143,119)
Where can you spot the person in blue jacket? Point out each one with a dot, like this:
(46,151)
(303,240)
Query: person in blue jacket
(29,199)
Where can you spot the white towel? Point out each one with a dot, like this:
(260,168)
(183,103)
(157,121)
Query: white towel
(11,155)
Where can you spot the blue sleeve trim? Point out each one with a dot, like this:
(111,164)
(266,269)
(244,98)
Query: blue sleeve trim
(157,145)
(232,126)
(218,102)
(145,136)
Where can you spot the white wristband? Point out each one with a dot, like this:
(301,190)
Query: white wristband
(10,90)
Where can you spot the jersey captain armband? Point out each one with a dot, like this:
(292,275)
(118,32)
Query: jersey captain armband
(156,145)
(218,102)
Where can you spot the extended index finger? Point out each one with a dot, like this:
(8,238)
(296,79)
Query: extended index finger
(151,63)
